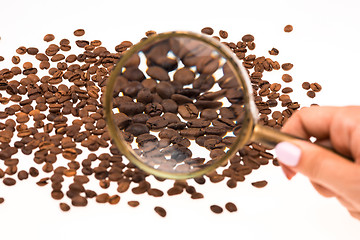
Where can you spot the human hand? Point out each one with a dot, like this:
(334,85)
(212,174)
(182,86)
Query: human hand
(330,174)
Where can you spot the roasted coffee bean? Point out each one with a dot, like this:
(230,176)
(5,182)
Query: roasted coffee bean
(158,73)
(184,76)
(22,175)
(287,78)
(188,111)
(274,51)
(161,211)
(49,37)
(288,28)
(165,90)
(9,181)
(223,34)
(32,51)
(259,184)
(248,38)
(207,30)
(79,32)
(64,207)
(231,207)
(287,90)
(315,87)
(133,203)
(287,66)
(2,200)
(79,201)
(137,129)
(305,85)
(21,50)
(311,94)
(216,209)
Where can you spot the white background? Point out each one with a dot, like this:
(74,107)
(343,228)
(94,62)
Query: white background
(324,47)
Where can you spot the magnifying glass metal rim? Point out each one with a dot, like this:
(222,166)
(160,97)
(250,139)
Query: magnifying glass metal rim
(242,77)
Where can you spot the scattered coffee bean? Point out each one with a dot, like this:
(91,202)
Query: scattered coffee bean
(79,32)
(315,87)
(133,203)
(223,34)
(259,184)
(216,209)
(274,51)
(288,28)
(248,38)
(64,207)
(311,94)
(161,211)
(231,207)
(207,30)
(9,181)
(305,85)
(287,66)
(49,37)
(2,200)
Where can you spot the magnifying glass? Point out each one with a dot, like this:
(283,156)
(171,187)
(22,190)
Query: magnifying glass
(180,104)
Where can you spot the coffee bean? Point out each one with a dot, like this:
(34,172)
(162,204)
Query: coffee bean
(49,37)
(184,76)
(287,78)
(216,209)
(161,211)
(9,181)
(223,34)
(274,51)
(79,32)
(32,51)
(287,66)
(288,28)
(259,184)
(22,175)
(311,94)
(2,200)
(79,201)
(315,87)
(21,50)
(155,192)
(33,172)
(305,85)
(188,111)
(207,30)
(114,199)
(64,207)
(231,207)
(248,38)
(158,73)
(287,90)
(133,203)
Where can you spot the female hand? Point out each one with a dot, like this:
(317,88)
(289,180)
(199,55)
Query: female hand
(330,174)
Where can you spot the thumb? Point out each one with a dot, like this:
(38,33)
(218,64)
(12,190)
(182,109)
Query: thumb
(318,164)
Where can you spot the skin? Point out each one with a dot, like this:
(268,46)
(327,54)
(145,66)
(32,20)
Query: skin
(331,175)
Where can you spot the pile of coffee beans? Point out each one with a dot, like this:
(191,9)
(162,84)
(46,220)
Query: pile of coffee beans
(52,111)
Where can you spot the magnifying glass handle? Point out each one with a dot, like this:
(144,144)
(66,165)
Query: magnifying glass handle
(270,137)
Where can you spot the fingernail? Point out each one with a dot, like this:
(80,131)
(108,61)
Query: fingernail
(288,153)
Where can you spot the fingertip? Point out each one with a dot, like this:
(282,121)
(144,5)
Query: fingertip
(288,153)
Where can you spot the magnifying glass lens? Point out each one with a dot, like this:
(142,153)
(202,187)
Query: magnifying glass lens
(178,105)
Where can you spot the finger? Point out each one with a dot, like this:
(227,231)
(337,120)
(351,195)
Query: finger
(287,171)
(355,215)
(349,206)
(321,166)
(323,191)
(339,124)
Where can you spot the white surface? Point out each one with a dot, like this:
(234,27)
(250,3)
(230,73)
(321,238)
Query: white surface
(324,47)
